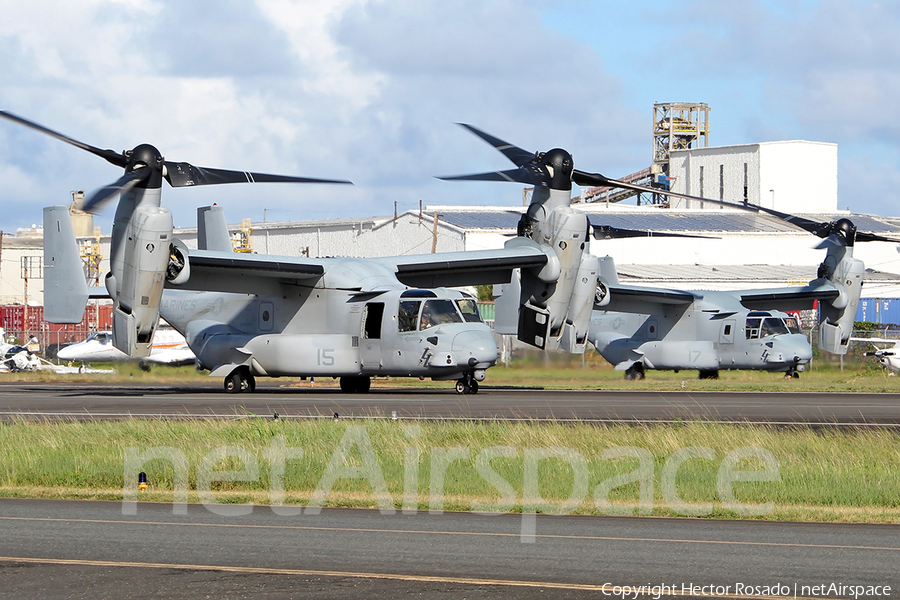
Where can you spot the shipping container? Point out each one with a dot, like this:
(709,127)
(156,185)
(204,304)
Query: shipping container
(879,310)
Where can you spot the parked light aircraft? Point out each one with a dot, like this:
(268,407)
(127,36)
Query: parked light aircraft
(889,356)
(250,316)
(169,348)
(678,330)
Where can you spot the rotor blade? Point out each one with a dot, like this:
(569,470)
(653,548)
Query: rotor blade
(608,232)
(864,236)
(521,175)
(180,174)
(517,155)
(596,179)
(111,156)
(93,203)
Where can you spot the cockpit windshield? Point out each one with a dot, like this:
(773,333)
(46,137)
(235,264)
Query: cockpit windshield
(764,327)
(101,336)
(438,312)
(469,310)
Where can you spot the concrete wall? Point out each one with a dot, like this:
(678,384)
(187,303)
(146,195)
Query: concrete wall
(791,176)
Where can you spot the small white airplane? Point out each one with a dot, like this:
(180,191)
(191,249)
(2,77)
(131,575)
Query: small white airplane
(889,356)
(169,348)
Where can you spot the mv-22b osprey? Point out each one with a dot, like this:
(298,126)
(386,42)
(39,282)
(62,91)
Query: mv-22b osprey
(745,329)
(251,316)
(638,328)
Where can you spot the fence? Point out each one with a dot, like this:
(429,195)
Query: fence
(22,323)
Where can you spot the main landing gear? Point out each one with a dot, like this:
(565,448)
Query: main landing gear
(467,385)
(711,374)
(792,374)
(635,372)
(355,384)
(240,381)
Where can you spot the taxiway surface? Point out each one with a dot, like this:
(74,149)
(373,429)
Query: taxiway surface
(66,400)
(54,549)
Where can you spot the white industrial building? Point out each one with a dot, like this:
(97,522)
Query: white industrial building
(735,249)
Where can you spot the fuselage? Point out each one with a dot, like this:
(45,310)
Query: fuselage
(169,347)
(708,335)
(315,331)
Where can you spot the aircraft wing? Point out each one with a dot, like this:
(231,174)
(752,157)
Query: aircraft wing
(634,299)
(232,272)
(477,267)
(790,298)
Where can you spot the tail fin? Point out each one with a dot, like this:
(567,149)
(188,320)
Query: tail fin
(65,287)
(212,230)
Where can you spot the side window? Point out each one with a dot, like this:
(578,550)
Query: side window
(469,310)
(407,315)
(728,330)
(753,328)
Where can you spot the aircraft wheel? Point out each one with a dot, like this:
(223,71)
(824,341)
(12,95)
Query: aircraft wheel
(238,382)
(355,384)
(634,372)
(461,387)
(713,374)
(233,383)
(144,366)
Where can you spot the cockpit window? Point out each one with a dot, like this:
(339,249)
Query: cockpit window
(438,312)
(469,310)
(760,328)
(773,326)
(101,336)
(753,328)
(407,315)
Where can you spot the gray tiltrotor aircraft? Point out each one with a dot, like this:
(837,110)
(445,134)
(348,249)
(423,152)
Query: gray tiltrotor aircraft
(250,316)
(709,331)
(638,328)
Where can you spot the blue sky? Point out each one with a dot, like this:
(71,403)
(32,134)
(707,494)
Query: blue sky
(370,90)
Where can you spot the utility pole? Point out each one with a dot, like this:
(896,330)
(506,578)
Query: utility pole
(434,234)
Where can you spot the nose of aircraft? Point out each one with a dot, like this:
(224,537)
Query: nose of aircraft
(69,352)
(795,348)
(475,349)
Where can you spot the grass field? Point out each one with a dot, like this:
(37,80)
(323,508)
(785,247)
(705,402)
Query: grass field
(495,467)
(831,475)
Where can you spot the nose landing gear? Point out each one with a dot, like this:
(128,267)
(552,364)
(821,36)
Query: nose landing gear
(467,385)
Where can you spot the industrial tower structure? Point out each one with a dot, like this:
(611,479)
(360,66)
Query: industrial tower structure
(676,126)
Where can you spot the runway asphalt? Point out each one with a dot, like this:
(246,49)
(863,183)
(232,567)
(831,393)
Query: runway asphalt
(65,400)
(82,549)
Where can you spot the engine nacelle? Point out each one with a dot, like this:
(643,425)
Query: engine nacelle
(178,270)
(836,318)
(145,260)
(578,314)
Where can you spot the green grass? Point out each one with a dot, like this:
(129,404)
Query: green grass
(832,475)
